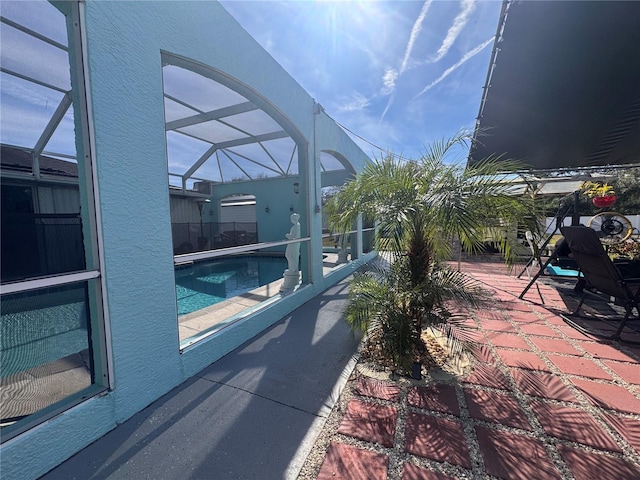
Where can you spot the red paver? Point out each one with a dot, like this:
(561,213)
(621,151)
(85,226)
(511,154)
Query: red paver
(542,311)
(590,466)
(496,407)
(516,306)
(556,345)
(629,372)
(468,322)
(533,297)
(483,315)
(572,424)
(608,352)
(543,385)
(457,309)
(369,422)
(629,428)
(538,329)
(370,387)
(507,455)
(513,285)
(413,472)
(557,320)
(497,325)
(574,333)
(551,294)
(501,295)
(436,438)
(473,335)
(351,463)
(528,360)
(482,353)
(488,376)
(507,340)
(525,317)
(608,395)
(439,398)
(579,366)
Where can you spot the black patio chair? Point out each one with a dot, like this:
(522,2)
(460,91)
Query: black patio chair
(602,274)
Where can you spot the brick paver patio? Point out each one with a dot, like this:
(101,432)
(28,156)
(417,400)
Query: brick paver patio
(544,400)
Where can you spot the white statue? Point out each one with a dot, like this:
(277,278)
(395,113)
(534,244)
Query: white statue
(293,249)
(292,254)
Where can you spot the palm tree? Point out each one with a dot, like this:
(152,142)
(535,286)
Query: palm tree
(420,206)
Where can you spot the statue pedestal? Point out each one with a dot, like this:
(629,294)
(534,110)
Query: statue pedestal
(291,281)
(342,256)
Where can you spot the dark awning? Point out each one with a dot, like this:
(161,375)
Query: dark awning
(563,88)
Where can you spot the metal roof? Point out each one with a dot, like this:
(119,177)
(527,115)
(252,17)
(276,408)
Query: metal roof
(214,133)
(563,87)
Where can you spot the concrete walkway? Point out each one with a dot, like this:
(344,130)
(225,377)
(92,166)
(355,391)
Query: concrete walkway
(544,401)
(254,414)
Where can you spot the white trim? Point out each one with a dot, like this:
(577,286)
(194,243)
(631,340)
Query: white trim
(192,257)
(47,282)
(96,193)
(350,232)
(359,249)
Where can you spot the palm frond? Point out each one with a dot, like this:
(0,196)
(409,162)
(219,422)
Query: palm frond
(419,207)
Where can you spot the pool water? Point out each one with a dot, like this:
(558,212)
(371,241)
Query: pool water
(206,283)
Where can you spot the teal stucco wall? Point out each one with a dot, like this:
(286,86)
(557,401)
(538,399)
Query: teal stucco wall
(125,41)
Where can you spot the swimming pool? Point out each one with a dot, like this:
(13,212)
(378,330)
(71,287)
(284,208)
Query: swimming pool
(203,284)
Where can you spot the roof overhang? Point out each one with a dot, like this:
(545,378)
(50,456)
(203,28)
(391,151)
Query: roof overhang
(563,87)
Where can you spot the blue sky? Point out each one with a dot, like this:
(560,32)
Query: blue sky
(400,73)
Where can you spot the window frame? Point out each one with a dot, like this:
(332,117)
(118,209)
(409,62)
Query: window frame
(99,336)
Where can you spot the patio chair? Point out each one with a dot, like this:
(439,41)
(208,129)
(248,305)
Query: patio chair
(602,274)
(534,260)
(558,265)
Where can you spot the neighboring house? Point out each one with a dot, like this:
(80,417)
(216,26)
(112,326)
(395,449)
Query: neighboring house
(41,232)
(121,120)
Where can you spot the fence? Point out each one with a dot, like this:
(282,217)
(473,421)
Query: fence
(198,237)
(37,244)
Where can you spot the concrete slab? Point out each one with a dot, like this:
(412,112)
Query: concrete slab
(256,410)
(294,362)
(200,430)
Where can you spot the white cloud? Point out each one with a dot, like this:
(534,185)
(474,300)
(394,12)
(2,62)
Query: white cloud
(389,81)
(353,103)
(468,6)
(455,66)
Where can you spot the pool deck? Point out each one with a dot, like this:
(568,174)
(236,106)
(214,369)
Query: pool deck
(193,325)
(544,401)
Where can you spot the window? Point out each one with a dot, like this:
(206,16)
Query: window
(234,186)
(52,352)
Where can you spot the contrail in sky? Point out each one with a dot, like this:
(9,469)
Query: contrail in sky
(391,75)
(468,6)
(389,102)
(415,31)
(454,67)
